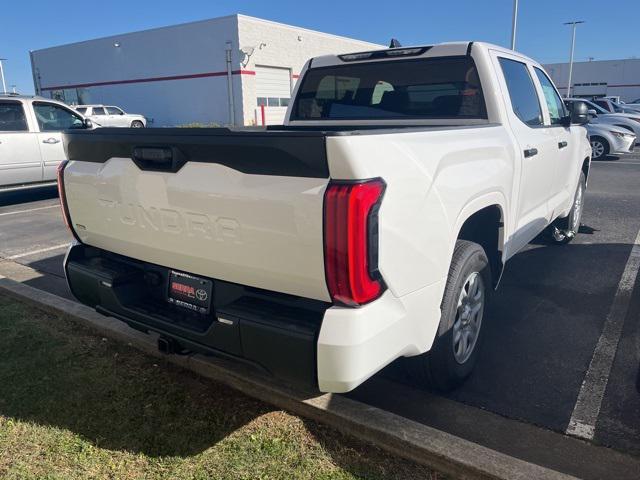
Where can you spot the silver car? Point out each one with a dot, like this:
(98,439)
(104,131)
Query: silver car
(111,116)
(31,139)
(609,140)
(597,114)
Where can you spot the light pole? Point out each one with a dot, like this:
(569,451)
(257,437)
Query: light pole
(514,24)
(4,85)
(573,43)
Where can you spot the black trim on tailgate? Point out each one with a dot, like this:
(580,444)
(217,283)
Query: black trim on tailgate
(282,153)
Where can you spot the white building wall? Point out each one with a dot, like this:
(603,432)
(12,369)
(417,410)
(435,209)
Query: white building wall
(189,50)
(622,77)
(284,46)
(177,75)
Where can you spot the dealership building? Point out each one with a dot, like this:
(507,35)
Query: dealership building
(599,78)
(223,70)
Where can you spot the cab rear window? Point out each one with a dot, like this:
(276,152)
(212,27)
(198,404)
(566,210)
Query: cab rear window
(434,88)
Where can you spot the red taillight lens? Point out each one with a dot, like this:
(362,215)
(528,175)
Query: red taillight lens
(351,241)
(63,198)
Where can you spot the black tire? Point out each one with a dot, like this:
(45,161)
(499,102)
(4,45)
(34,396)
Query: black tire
(440,368)
(137,124)
(596,152)
(563,230)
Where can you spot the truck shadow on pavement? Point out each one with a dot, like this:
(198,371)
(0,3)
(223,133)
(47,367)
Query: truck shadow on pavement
(23,196)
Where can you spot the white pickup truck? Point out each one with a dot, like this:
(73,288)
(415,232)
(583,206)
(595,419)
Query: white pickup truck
(372,225)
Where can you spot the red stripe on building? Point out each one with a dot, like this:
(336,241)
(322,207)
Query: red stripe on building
(608,86)
(150,79)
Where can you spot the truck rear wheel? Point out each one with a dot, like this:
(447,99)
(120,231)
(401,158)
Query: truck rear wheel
(455,348)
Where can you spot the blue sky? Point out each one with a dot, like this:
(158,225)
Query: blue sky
(609,32)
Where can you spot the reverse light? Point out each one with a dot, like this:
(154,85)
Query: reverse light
(63,198)
(351,241)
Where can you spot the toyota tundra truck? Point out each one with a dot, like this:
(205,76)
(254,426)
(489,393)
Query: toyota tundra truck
(372,225)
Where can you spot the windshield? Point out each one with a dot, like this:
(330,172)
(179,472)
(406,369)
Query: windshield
(595,107)
(435,88)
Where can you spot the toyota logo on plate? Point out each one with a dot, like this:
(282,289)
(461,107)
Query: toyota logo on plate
(201,295)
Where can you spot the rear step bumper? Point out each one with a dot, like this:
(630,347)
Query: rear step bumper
(275,332)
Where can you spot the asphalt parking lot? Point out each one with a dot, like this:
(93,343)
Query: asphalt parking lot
(560,314)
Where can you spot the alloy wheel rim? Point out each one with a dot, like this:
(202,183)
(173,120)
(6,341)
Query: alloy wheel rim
(469,312)
(577,209)
(598,149)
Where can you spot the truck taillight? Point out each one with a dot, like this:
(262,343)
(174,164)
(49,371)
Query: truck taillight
(351,241)
(63,198)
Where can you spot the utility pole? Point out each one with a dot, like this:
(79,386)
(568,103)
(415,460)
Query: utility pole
(573,43)
(4,85)
(514,24)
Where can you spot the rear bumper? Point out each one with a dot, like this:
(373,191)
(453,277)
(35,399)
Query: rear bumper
(274,332)
(306,342)
(356,343)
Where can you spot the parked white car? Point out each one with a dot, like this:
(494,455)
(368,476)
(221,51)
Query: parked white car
(374,224)
(630,121)
(111,116)
(31,140)
(609,140)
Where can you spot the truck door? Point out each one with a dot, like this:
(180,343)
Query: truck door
(566,162)
(536,149)
(52,119)
(20,160)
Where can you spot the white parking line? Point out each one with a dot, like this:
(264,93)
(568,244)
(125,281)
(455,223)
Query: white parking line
(29,210)
(587,408)
(34,252)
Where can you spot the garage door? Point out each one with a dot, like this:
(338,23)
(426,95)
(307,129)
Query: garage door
(273,86)
(273,92)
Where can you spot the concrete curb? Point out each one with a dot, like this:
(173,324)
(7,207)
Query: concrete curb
(447,453)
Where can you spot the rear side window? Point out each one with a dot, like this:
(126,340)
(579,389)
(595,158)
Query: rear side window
(12,117)
(524,99)
(82,110)
(98,111)
(554,102)
(434,88)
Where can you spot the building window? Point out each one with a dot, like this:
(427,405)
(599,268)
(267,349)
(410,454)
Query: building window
(273,102)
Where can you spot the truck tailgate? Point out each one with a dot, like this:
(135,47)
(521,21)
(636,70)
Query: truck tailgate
(244,207)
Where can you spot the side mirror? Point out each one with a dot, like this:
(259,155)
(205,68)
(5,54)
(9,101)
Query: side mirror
(579,113)
(88,124)
(592,112)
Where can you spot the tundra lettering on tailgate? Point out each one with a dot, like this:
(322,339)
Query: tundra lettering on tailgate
(169,220)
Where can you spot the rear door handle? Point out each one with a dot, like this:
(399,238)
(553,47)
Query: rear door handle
(562,144)
(51,141)
(530,152)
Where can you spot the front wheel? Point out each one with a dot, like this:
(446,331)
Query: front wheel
(563,230)
(599,148)
(137,124)
(455,348)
